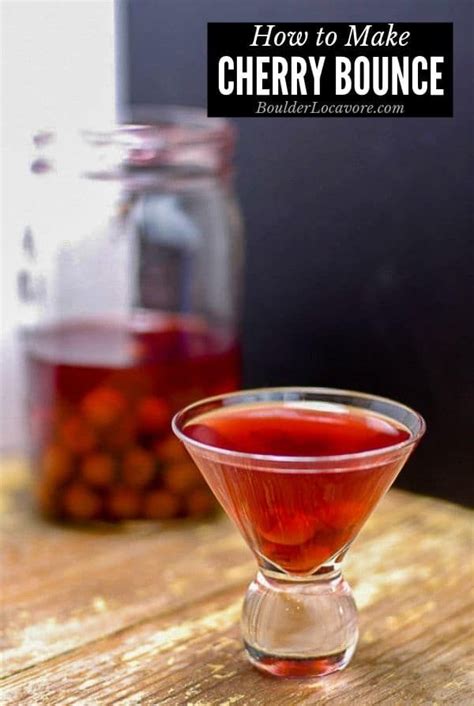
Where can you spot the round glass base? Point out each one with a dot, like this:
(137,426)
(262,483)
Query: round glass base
(300,628)
(298,667)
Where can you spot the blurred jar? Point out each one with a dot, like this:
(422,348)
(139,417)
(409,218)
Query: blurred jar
(130,294)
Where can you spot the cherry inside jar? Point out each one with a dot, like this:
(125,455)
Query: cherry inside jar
(101,400)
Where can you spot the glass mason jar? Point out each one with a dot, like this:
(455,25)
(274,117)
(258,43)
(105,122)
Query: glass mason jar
(130,294)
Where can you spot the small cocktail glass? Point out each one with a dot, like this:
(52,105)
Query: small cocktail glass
(299,515)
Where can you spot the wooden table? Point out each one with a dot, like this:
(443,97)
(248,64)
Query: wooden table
(146,615)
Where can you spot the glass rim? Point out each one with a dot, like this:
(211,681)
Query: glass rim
(413,439)
(170,140)
(154,127)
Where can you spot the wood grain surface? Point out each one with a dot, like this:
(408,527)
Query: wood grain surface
(146,614)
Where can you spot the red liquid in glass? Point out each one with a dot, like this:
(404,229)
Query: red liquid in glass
(297,518)
(101,399)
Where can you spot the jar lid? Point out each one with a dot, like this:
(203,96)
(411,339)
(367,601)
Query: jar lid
(147,137)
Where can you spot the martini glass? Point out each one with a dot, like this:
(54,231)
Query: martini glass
(299,470)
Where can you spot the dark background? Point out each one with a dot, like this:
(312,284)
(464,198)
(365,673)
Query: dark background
(359,231)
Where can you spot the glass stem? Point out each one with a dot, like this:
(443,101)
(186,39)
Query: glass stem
(300,626)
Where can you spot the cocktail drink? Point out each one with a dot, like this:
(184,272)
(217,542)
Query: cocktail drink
(299,471)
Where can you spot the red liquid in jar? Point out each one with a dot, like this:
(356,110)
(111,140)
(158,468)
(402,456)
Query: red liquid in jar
(298,518)
(101,399)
